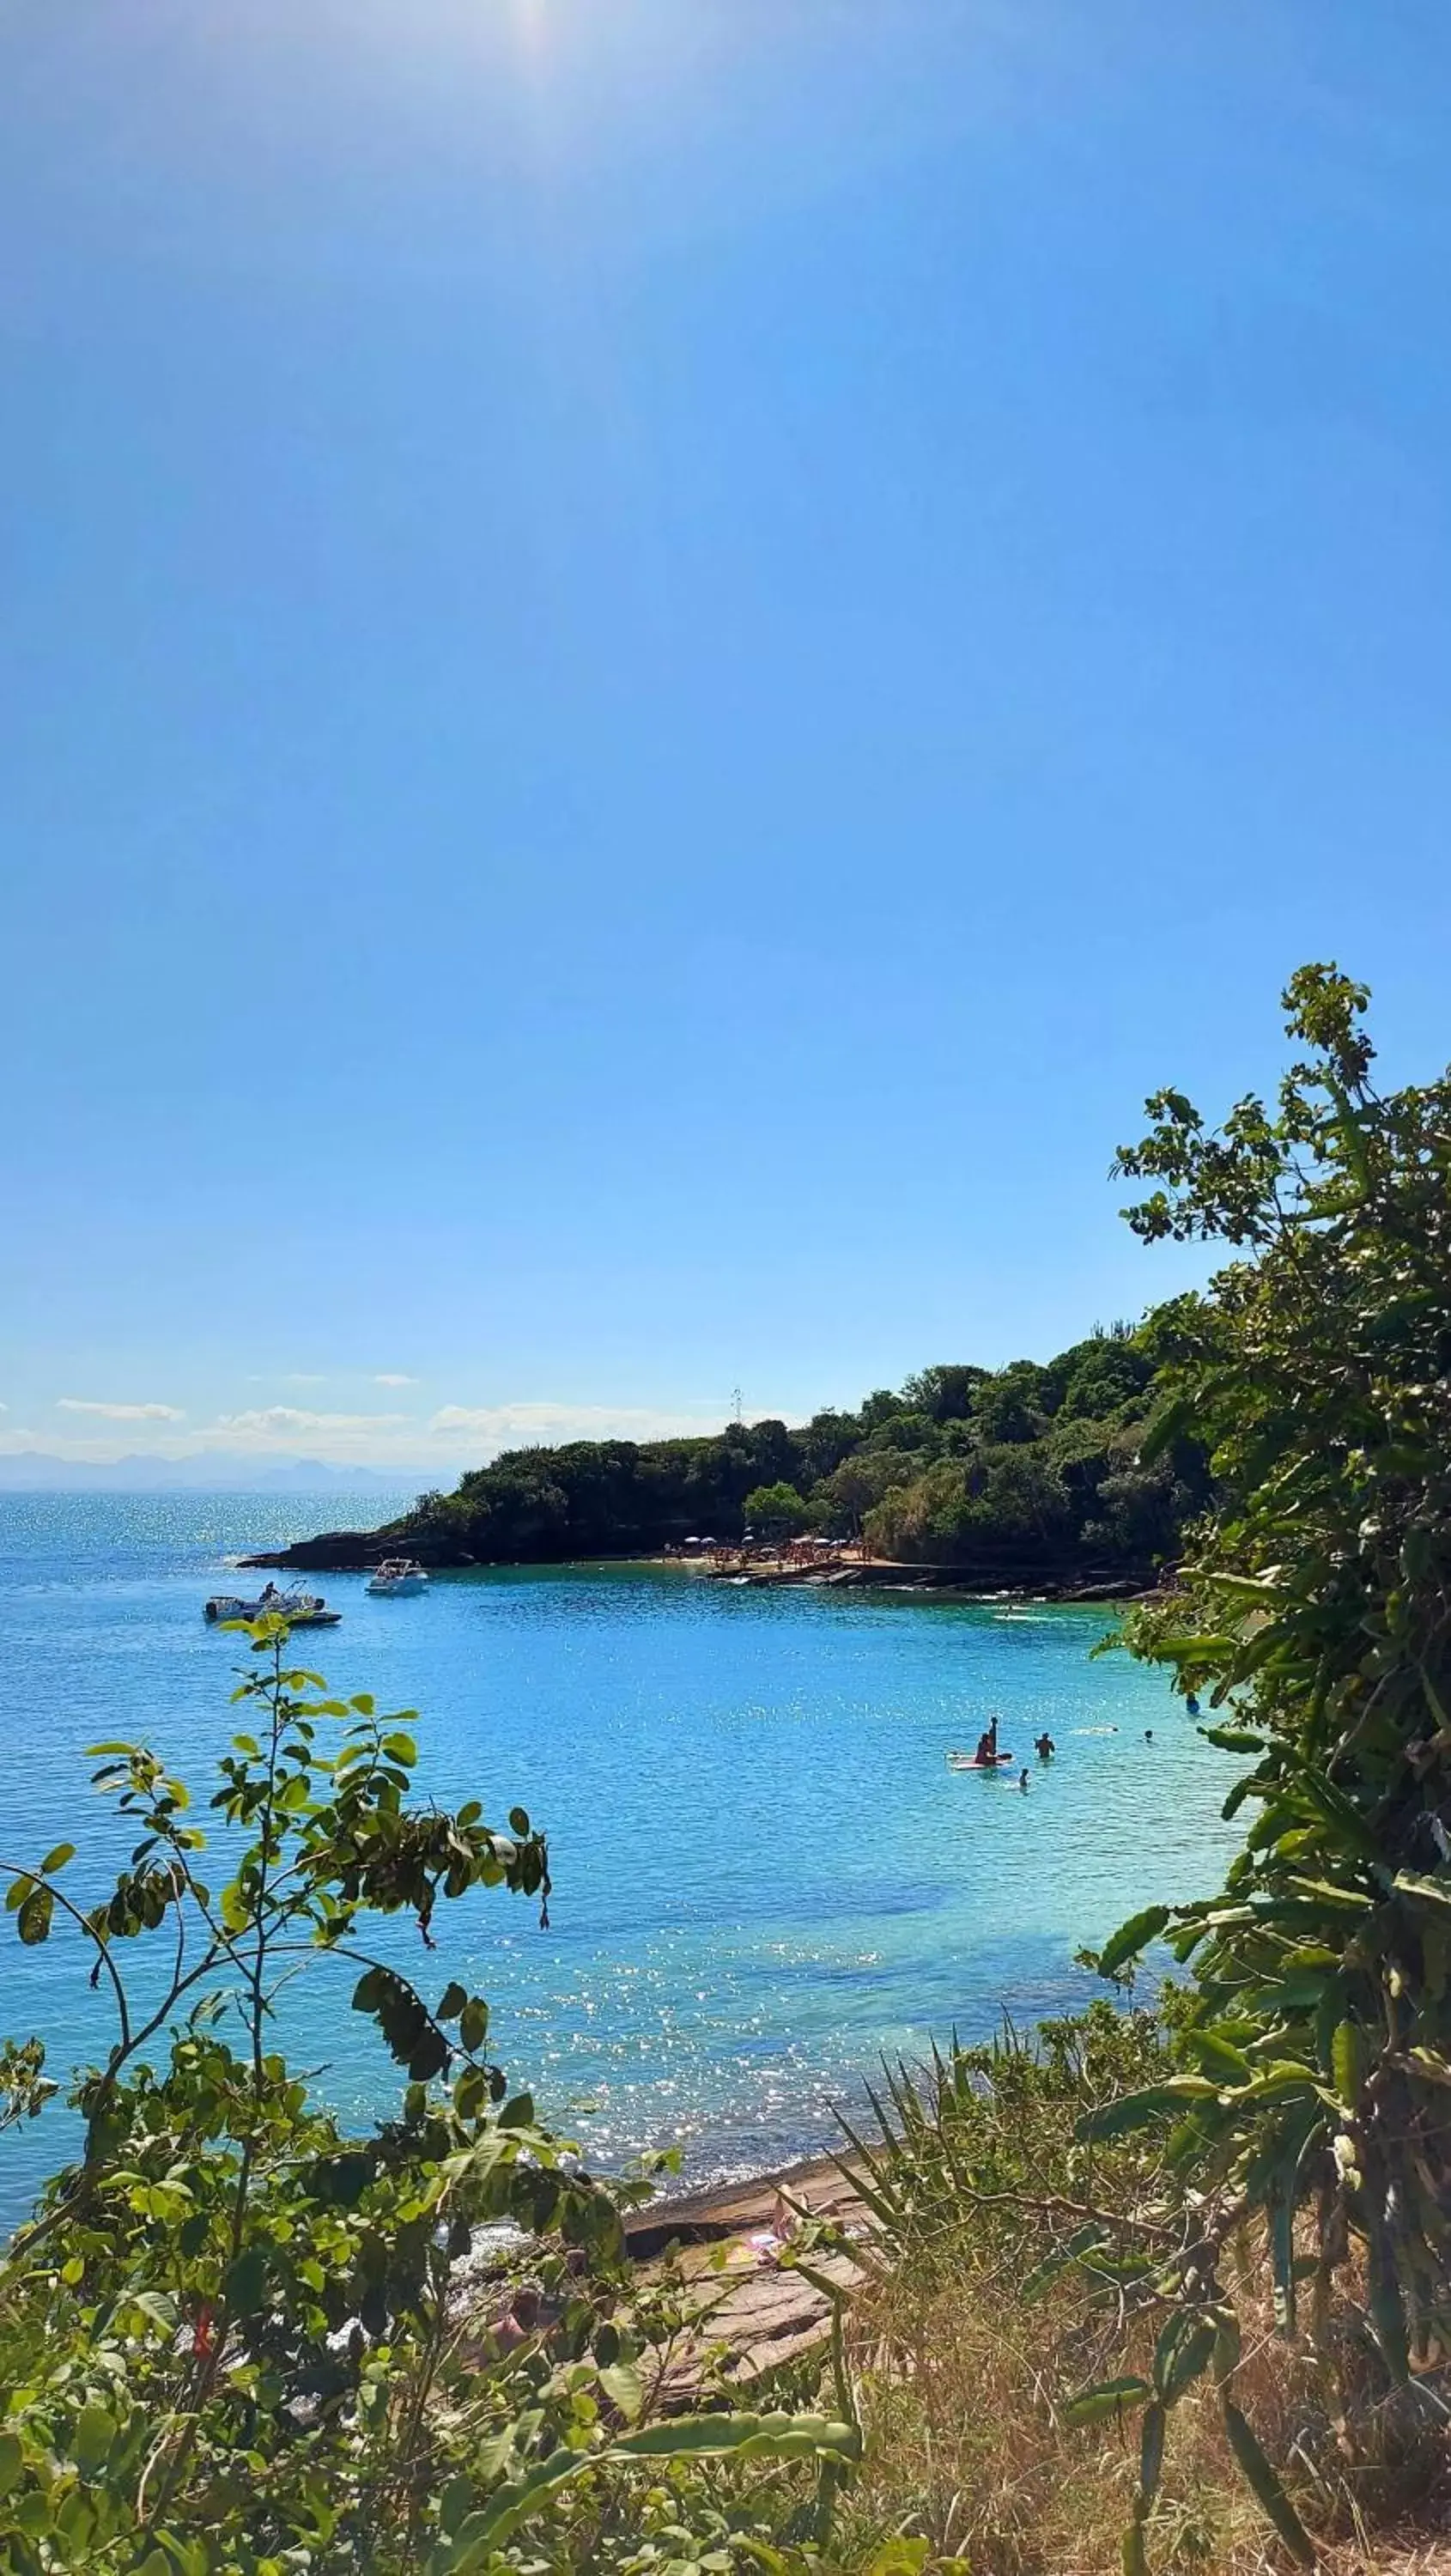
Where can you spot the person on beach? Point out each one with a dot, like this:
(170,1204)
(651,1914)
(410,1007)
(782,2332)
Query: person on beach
(1045,1748)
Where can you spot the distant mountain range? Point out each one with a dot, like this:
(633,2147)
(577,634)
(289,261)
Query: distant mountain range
(219,1471)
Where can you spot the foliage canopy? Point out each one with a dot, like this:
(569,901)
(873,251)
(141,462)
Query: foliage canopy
(1024,1471)
(1314,2098)
(233,2340)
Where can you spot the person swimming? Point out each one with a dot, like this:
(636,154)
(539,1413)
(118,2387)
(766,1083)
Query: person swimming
(1045,1748)
(1023,1778)
(1192,1704)
(987,1744)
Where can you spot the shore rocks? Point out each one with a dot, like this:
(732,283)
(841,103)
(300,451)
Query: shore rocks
(354,1552)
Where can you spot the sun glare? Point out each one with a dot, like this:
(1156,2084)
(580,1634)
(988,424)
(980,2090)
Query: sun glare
(529,26)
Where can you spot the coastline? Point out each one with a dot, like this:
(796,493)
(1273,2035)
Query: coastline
(360,1552)
(731,2244)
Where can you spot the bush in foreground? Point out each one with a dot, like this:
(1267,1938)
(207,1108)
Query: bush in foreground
(237,2340)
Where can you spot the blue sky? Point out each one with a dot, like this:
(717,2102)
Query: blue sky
(658,654)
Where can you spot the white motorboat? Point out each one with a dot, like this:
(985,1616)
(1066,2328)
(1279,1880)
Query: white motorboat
(303,1609)
(398,1574)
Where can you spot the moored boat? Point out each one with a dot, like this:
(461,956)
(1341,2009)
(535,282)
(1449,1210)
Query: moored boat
(300,1609)
(399,1574)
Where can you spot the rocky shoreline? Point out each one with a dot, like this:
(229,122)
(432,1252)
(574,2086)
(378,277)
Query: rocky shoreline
(732,2245)
(361,1551)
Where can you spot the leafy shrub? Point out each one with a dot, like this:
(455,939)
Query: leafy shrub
(234,2339)
(1314,2096)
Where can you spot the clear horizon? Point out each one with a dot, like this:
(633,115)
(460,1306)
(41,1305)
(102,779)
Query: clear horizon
(658,660)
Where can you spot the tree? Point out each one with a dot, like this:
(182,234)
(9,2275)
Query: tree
(1316,1371)
(1011,1405)
(776,1511)
(946,1391)
(879,1407)
(1106,1378)
(841,1501)
(906,1431)
(827,1439)
(229,2336)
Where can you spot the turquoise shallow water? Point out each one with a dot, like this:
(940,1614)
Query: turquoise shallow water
(765,1874)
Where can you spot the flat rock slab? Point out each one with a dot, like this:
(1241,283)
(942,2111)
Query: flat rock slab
(732,2246)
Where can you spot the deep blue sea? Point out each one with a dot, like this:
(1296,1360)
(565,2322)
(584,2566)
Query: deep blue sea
(765,1875)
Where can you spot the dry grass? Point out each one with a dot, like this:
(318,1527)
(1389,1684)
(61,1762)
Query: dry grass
(961,2382)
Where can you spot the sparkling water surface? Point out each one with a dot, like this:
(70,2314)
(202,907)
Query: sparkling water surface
(765,1874)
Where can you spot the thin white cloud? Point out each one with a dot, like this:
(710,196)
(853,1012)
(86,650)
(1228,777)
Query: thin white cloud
(273,1419)
(503,1425)
(122,1412)
(288,1377)
(392,1377)
(434,1445)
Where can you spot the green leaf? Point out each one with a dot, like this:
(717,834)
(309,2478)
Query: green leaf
(453,2504)
(481,2533)
(1342,1900)
(428,2056)
(624,2388)
(1388,2314)
(1165,1425)
(1130,2111)
(1266,2486)
(473,2023)
(1081,2248)
(1151,2450)
(33,1919)
(1254,1588)
(451,2003)
(401,1748)
(91,2439)
(57,1859)
(1132,1937)
(11,2461)
(246,2281)
(1107,2397)
(1427,1891)
(777,2437)
(1217,2055)
(1286,2075)
(1282,2261)
(1347,2059)
(1176,2368)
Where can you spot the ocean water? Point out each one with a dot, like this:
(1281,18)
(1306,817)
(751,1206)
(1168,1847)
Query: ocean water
(765,1874)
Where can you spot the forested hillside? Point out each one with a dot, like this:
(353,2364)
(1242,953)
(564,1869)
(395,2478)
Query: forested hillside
(1030,1467)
